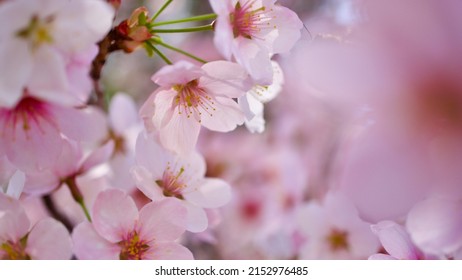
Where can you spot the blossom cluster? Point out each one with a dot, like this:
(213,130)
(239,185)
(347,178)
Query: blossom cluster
(357,156)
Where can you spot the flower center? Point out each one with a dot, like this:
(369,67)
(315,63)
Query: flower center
(193,100)
(338,240)
(37,32)
(248,21)
(28,110)
(132,247)
(15,251)
(171,184)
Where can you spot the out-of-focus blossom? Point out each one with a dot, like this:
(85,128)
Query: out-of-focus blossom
(160,174)
(333,230)
(119,231)
(435,225)
(190,96)
(47,240)
(31,134)
(252,31)
(124,127)
(36,40)
(252,102)
(396,241)
(70,164)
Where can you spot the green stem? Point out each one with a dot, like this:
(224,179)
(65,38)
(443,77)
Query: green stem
(183,30)
(77,195)
(189,19)
(161,10)
(159,42)
(158,52)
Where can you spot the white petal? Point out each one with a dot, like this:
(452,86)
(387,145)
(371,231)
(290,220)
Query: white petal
(209,193)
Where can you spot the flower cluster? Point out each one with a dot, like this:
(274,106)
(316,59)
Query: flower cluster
(82,173)
(153,129)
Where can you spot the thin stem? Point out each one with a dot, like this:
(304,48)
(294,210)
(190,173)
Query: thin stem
(55,213)
(161,10)
(77,195)
(159,53)
(157,41)
(184,30)
(189,19)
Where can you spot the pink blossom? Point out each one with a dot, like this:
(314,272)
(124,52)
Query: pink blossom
(190,97)
(124,127)
(31,132)
(70,164)
(252,102)
(36,40)
(160,174)
(396,241)
(252,31)
(119,231)
(333,230)
(48,239)
(435,225)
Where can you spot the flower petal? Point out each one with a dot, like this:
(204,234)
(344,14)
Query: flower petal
(196,218)
(146,183)
(163,221)
(209,193)
(169,251)
(226,116)
(98,156)
(114,214)
(49,240)
(395,240)
(122,113)
(88,245)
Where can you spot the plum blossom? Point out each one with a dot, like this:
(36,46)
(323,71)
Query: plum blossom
(252,102)
(396,241)
(31,134)
(333,230)
(37,40)
(252,31)
(48,239)
(160,174)
(120,231)
(190,96)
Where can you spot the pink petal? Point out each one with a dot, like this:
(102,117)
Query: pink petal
(114,214)
(209,193)
(67,163)
(435,225)
(14,223)
(395,240)
(196,218)
(49,240)
(32,146)
(181,72)
(98,156)
(169,251)
(381,257)
(88,124)
(226,116)
(223,30)
(147,112)
(180,134)
(48,78)
(151,155)
(162,221)
(288,27)
(88,245)
(163,107)
(122,113)
(41,182)
(225,78)
(15,71)
(146,183)
(255,59)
